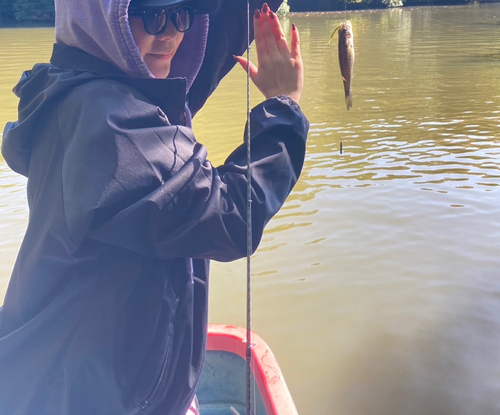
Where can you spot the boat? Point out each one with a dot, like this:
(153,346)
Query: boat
(222,386)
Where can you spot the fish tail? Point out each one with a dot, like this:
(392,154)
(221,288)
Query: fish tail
(348,100)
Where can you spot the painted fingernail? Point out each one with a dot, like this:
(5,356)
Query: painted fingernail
(265,8)
(294,28)
(257,14)
(272,16)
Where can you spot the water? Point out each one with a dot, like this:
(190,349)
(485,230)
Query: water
(378,284)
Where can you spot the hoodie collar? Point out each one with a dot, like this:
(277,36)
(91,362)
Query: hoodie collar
(168,94)
(69,57)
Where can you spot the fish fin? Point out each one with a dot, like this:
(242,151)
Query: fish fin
(348,101)
(333,34)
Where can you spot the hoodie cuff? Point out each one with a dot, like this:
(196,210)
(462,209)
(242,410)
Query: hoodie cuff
(280,112)
(286,99)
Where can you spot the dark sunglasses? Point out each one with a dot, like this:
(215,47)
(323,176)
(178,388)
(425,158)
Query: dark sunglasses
(155,20)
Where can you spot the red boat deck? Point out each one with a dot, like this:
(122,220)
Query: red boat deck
(269,380)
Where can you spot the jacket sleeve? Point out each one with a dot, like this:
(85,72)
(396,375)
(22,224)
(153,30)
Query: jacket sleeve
(227,36)
(132,180)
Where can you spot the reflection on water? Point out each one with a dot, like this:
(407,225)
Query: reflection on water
(378,283)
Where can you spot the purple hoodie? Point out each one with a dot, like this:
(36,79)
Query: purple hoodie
(101,28)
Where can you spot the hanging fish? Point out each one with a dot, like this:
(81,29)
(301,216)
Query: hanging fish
(346,57)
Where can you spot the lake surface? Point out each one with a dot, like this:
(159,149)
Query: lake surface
(378,284)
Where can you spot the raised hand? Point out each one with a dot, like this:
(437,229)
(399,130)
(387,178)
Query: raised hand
(280,70)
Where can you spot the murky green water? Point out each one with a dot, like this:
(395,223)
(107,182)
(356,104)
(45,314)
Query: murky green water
(378,284)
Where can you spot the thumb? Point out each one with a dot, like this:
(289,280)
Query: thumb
(246,65)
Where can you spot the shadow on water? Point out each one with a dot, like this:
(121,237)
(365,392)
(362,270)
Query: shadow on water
(424,371)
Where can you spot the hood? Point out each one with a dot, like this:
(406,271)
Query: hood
(101,28)
(37,91)
(88,26)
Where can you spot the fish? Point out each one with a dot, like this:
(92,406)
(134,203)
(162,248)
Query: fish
(346,57)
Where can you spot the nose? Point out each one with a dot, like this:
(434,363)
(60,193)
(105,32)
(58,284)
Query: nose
(169,32)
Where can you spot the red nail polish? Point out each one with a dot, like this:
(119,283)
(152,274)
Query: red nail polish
(257,14)
(272,16)
(265,8)
(294,28)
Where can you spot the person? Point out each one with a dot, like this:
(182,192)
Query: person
(106,308)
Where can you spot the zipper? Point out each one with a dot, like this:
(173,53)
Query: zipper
(166,356)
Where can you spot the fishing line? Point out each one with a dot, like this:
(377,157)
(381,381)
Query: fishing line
(345,19)
(249,229)
(341,123)
(341,118)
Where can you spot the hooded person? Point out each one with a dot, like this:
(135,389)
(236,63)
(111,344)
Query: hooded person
(106,308)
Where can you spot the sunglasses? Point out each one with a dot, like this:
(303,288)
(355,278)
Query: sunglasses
(155,20)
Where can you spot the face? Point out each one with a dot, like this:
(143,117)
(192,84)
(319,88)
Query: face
(158,50)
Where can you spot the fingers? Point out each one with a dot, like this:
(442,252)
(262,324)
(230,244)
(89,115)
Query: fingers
(295,43)
(260,41)
(279,70)
(269,36)
(246,65)
(279,34)
(269,22)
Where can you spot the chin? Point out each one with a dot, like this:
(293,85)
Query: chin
(160,73)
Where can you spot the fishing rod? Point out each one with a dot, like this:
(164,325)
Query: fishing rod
(249,231)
